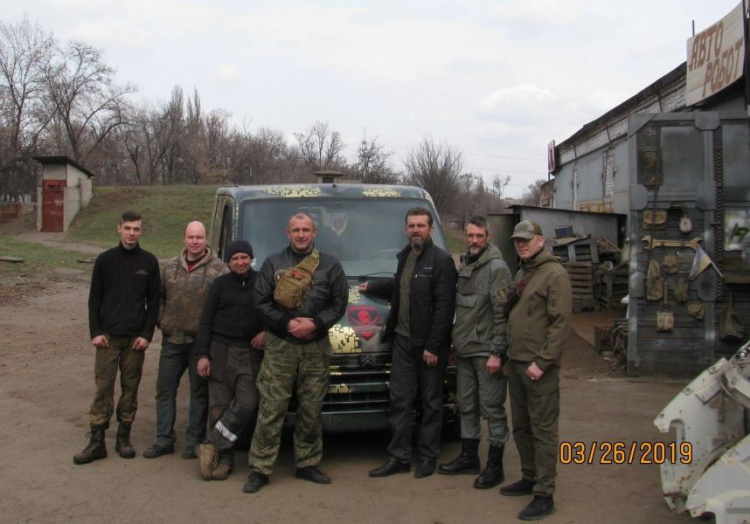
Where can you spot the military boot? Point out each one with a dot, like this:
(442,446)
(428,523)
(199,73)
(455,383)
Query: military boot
(466,463)
(493,471)
(122,445)
(95,449)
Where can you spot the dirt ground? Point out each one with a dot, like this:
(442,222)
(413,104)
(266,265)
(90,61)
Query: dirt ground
(46,385)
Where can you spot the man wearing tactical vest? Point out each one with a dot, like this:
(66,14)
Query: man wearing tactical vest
(300,293)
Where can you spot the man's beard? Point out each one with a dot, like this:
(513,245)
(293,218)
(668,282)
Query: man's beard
(417,243)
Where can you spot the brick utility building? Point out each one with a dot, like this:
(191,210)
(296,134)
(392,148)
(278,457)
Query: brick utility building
(675,158)
(66,189)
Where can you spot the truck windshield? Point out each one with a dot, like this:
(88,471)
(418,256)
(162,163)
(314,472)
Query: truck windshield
(364,234)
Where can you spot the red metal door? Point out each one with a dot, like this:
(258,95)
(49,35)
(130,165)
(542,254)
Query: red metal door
(53,206)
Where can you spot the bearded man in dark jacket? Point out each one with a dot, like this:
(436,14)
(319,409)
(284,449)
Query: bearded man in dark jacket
(422,305)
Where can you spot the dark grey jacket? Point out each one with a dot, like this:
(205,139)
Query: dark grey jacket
(325,303)
(481,323)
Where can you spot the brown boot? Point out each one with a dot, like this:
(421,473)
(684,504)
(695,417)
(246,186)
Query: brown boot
(123,447)
(208,459)
(222,471)
(95,450)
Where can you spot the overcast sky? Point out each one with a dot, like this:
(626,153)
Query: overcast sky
(497,79)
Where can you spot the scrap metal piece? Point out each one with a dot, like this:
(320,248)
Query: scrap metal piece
(708,416)
(724,489)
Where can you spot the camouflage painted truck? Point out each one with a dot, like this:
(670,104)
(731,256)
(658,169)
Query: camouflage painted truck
(363,226)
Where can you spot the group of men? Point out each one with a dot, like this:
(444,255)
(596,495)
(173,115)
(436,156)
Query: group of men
(507,334)
(249,338)
(246,338)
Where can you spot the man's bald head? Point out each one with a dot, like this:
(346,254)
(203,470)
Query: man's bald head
(195,240)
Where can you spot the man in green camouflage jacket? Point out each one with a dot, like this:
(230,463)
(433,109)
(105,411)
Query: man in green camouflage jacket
(185,280)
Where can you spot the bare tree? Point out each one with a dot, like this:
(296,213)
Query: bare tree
(88,104)
(438,168)
(321,148)
(373,164)
(499,185)
(217,140)
(533,193)
(25,53)
(171,115)
(142,139)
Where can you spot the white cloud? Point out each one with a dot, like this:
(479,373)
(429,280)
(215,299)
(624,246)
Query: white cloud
(227,74)
(512,102)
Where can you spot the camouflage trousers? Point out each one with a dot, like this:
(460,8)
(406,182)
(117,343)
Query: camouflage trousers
(284,365)
(120,354)
(535,410)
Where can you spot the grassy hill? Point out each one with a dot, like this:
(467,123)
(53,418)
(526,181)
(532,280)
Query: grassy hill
(165,209)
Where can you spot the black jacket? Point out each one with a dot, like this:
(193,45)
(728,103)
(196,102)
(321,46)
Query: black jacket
(229,314)
(325,303)
(124,294)
(432,300)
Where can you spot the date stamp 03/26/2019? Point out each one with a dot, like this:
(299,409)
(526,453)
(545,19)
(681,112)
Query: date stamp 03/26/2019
(620,452)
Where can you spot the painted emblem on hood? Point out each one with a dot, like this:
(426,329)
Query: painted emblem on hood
(365,320)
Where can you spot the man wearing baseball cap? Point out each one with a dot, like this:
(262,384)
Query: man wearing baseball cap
(540,306)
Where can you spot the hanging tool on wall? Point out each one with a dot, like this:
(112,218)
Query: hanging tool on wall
(681,290)
(665,318)
(652,243)
(654,282)
(686,225)
(731,326)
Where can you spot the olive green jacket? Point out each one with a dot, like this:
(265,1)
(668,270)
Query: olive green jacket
(480,326)
(539,323)
(183,294)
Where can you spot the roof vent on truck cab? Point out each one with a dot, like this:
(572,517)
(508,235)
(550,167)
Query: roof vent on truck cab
(328,177)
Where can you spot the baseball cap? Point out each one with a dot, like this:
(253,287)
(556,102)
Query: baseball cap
(527,230)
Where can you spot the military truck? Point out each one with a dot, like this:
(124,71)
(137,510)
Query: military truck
(364,227)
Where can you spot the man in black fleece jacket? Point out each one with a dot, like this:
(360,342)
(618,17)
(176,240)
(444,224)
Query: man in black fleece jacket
(123,308)
(229,349)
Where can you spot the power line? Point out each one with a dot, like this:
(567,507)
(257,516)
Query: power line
(539,159)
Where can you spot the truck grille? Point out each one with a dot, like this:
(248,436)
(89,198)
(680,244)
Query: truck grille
(358,382)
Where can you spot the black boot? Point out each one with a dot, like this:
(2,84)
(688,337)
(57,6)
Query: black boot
(122,445)
(493,471)
(95,449)
(466,463)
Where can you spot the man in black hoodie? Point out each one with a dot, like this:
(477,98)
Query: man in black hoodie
(229,349)
(123,308)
